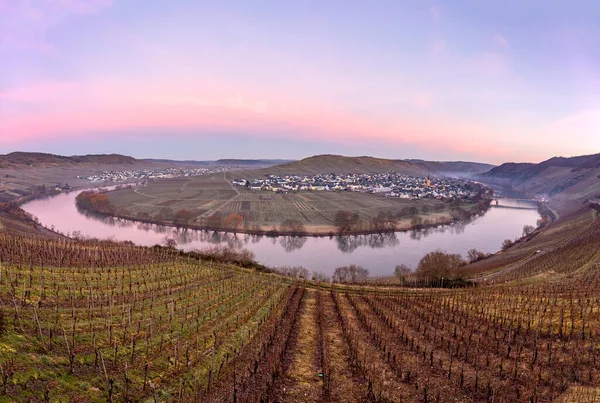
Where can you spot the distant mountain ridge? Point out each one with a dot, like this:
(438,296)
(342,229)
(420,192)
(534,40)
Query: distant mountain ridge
(32,158)
(35,158)
(250,163)
(573,177)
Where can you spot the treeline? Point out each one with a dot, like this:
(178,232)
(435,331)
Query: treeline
(387,221)
(219,254)
(14,210)
(95,202)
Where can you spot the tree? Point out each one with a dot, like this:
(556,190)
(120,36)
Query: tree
(506,244)
(459,214)
(234,221)
(345,220)
(94,201)
(528,230)
(350,274)
(416,222)
(402,271)
(293,226)
(293,271)
(474,255)
(183,217)
(437,265)
(169,242)
(425,209)
(320,277)
(384,221)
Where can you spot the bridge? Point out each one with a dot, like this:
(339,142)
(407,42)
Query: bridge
(515,207)
(497,205)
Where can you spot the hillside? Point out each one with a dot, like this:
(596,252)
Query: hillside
(453,168)
(89,321)
(340,164)
(561,178)
(29,158)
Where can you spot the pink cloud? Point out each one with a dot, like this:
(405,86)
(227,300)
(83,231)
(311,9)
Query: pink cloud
(39,92)
(79,110)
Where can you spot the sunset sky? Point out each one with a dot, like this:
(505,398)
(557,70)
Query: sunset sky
(490,81)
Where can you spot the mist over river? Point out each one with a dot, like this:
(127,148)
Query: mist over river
(379,253)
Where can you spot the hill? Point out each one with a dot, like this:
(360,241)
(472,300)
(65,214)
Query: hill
(340,164)
(453,168)
(561,178)
(29,158)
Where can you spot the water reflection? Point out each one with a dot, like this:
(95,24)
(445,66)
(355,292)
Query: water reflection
(292,243)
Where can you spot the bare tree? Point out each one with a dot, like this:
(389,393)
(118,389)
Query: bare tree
(384,221)
(293,271)
(293,226)
(506,244)
(320,277)
(402,271)
(234,221)
(416,222)
(350,274)
(474,255)
(346,221)
(169,242)
(438,265)
(528,230)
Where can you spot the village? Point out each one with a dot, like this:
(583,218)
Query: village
(145,174)
(386,185)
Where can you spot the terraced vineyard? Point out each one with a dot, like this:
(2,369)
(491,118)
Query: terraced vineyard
(96,322)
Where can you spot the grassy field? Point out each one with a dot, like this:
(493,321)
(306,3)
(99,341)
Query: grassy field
(209,201)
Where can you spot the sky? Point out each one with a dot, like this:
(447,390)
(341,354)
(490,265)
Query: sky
(490,81)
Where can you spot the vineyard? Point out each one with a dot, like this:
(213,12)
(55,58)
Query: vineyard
(89,321)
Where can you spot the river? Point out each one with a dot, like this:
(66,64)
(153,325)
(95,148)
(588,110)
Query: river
(378,253)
